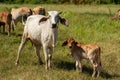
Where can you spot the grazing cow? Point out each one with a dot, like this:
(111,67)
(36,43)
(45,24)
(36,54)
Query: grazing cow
(20,15)
(5,21)
(85,51)
(42,32)
(39,10)
(116,16)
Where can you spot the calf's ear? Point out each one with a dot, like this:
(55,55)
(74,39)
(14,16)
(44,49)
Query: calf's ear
(44,19)
(76,43)
(63,21)
(64,43)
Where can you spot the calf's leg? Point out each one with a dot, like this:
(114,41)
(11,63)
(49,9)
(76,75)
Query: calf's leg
(95,67)
(99,69)
(78,66)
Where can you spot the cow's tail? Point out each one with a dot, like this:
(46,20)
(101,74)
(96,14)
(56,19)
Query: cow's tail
(99,60)
(9,18)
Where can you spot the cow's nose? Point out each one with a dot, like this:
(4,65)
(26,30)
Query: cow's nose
(70,46)
(54,25)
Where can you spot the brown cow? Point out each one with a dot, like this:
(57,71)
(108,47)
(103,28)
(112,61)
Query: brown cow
(5,21)
(85,51)
(39,10)
(116,16)
(20,15)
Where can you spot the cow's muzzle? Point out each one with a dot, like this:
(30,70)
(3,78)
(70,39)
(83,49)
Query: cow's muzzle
(70,47)
(54,25)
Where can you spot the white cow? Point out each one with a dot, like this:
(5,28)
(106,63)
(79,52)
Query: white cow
(42,31)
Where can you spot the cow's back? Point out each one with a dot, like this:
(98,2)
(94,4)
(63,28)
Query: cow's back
(37,30)
(16,13)
(32,25)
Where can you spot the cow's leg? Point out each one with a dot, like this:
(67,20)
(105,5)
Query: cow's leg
(3,28)
(80,66)
(50,57)
(23,20)
(99,69)
(45,49)
(94,67)
(23,41)
(0,27)
(9,29)
(13,24)
(94,70)
(77,65)
(37,51)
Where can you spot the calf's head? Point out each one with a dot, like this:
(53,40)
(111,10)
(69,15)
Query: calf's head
(70,42)
(116,16)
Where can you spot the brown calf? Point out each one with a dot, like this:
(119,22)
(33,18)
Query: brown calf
(117,15)
(85,51)
(5,21)
(39,10)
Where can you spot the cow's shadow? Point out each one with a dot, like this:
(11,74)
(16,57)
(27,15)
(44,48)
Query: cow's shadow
(86,70)
(65,65)
(12,34)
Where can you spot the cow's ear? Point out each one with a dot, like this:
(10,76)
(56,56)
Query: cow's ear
(64,43)
(63,21)
(76,43)
(60,12)
(44,19)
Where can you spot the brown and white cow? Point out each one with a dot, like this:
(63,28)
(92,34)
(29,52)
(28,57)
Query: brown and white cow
(5,21)
(39,10)
(84,51)
(116,16)
(20,15)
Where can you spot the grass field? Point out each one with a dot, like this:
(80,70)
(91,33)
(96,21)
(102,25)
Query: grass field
(87,24)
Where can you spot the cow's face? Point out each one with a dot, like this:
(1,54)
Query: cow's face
(70,42)
(55,18)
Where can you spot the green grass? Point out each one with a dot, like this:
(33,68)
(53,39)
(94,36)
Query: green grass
(87,24)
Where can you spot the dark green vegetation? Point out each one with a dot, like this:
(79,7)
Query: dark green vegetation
(61,1)
(87,24)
